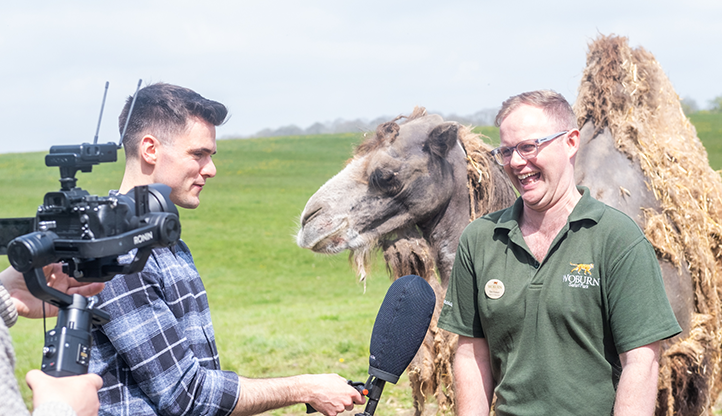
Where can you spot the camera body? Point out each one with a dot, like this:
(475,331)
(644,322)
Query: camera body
(87,234)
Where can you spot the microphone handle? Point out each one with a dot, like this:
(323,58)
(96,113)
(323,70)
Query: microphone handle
(358,385)
(377,387)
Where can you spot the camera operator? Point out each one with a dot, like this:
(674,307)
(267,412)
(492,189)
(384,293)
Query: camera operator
(67,396)
(158,355)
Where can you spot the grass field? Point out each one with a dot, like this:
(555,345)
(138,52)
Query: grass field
(709,130)
(277,309)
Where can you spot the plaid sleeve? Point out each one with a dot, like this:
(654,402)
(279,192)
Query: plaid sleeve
(159,344)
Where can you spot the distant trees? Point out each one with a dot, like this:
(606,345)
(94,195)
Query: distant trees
(715,104)
(689,106)
(331,127)
(480,118)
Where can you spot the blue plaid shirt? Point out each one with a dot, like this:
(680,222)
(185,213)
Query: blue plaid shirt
(157,355)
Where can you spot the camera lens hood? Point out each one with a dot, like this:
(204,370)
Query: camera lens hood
(32,250)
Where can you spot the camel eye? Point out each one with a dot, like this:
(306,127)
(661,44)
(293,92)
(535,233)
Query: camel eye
(385,181)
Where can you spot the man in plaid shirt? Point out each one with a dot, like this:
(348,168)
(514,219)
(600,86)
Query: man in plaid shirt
(157,355)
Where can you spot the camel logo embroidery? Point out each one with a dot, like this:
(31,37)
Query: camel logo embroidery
(581,276)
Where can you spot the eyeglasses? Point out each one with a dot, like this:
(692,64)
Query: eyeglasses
(526,149)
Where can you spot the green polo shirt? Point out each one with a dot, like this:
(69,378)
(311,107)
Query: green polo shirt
(555,329)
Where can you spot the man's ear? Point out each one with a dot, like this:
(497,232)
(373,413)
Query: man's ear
(574,140)
(148,148)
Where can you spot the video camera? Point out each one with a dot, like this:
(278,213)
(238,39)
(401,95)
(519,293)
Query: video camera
(87,234)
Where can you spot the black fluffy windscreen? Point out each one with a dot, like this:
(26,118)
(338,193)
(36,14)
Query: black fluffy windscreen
(400,327)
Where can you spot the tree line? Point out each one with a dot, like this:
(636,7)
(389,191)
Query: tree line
(480,118)
(689,106)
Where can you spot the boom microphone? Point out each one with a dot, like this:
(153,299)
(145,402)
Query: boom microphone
(399,330)
(400,327)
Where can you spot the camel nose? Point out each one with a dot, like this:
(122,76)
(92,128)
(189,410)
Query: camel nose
(309,214)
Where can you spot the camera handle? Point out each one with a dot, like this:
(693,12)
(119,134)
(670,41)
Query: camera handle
(67,346)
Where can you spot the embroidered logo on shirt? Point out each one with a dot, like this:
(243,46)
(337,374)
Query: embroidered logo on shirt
(586,268)
(580,276)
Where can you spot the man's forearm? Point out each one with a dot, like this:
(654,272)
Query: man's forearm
(327,393)
(260,395)
(637,390)
(472,377)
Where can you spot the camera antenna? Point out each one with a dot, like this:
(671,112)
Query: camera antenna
(130,111)
(105,94)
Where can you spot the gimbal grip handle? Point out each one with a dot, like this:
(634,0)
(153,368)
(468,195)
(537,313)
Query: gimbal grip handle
(38,287)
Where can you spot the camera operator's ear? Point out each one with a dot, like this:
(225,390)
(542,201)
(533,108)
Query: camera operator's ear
(148,149)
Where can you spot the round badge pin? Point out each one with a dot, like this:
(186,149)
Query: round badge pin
(494,289)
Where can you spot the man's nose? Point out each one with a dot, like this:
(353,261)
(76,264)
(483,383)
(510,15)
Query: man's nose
(209,169)
(516,159)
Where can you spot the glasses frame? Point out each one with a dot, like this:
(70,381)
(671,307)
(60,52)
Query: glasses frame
(499,158)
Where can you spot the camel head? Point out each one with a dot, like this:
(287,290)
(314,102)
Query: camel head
(409,175)
(410,189)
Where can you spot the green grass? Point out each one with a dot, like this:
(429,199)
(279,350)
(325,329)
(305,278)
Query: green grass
(492,134)
(277,309)
(709,130)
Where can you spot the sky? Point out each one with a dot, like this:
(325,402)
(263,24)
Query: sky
(279,62)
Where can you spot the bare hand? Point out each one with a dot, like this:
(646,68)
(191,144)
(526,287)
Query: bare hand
(31,307)
(331,394)
(80,392)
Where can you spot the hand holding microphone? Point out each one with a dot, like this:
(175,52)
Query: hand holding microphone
(398,332)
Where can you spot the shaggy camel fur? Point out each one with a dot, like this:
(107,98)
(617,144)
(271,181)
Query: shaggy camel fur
(626,91)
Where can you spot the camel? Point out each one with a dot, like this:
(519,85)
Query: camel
(640,154)
(410,189)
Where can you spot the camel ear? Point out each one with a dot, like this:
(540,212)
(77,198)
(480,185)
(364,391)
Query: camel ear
(442,138)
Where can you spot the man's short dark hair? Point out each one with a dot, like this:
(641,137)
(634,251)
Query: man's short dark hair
(163,110)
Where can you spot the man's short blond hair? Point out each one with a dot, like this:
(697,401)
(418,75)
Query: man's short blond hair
(553,104)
